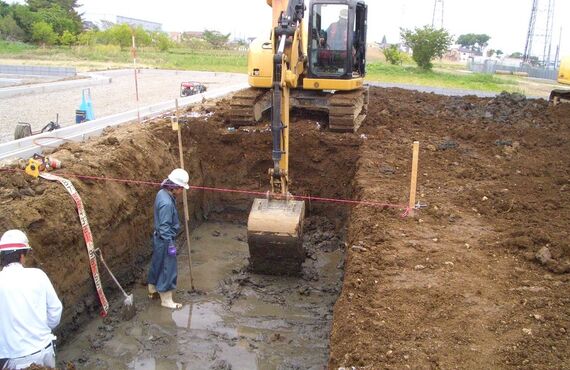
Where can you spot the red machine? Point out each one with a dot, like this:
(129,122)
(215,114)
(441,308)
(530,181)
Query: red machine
(191,88)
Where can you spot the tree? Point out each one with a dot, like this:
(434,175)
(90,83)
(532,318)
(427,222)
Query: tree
(499,53)
(58,18)
(119,34)
(474,42)
(4,8)
(516,55)
(426,43)
(88,38)
(67,38)
(43,33)
(216,38)
(467,41)
(68,8)
(491,52)
(25,19)
(162,41)
(482,41)
(9,29)
(393,55)
(142,37)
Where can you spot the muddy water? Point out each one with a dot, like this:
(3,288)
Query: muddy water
(237,320)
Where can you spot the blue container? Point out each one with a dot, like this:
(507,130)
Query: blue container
(80,116)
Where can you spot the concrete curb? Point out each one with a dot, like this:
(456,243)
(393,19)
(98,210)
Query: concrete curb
(92,80)
(26,147)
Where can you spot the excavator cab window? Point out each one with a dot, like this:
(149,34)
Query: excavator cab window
(331,50)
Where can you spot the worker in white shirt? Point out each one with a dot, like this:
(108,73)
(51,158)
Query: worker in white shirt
(29,308)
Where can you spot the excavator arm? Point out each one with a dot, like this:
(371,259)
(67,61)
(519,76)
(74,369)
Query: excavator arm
(288,64)
(275,224)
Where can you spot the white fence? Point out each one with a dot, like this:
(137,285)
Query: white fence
(492,66)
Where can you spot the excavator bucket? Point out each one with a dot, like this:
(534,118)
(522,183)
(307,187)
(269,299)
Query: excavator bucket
(274,236)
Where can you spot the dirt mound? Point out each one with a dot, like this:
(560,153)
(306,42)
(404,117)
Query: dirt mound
(478,277)
(466,281)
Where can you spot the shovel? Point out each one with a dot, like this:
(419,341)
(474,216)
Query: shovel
(128,311)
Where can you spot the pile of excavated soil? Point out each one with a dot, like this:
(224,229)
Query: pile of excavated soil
(479,277)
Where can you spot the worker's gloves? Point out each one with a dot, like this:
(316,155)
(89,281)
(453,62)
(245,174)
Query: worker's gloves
(171,250)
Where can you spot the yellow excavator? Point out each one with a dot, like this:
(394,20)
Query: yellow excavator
(316,65)
(328,72)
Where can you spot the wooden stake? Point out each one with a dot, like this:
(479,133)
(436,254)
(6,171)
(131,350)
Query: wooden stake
(134,52)
(413,186)
(185,198)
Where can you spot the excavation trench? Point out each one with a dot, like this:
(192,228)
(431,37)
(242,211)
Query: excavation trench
(237,319)
(478,277)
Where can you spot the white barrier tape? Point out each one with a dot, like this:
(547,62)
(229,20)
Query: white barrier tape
(68,185)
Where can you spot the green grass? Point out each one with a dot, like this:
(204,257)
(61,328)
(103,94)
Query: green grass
(382,72)
(8,48)
(179,58)
(109,56)
(199,60)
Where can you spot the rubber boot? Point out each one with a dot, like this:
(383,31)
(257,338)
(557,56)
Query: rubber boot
(166,300)
(152,292)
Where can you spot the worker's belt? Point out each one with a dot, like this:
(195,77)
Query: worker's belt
(35,353)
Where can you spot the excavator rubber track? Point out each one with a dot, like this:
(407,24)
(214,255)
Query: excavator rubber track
(348,109)
(247,106)
(558,96)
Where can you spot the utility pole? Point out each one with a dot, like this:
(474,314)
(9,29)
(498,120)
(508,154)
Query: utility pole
(438,11)
(540,27)
(530,33)
(557,56)
(548,34)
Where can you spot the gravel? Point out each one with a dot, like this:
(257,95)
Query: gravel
(155,86)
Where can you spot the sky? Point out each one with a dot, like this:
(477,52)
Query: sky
(506,21)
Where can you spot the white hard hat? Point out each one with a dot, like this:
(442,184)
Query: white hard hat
(14,240)
(343,13)
(179,177)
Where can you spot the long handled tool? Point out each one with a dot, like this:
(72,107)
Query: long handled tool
(128,311)
(176,126)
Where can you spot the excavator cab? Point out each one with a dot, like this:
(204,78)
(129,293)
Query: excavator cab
(337,43)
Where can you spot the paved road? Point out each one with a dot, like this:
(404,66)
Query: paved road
(155,86)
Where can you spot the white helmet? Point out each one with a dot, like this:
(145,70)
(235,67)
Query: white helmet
(180,177)
(14,240)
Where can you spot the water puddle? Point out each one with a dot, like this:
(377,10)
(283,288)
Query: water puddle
(238,320)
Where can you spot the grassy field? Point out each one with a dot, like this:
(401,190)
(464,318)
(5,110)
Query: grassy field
(94,57)
(447,76)
(100,57)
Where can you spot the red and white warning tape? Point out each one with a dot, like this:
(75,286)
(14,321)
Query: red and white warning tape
(68,185)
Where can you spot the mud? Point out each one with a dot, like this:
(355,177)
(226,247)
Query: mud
(478,278)
(237,321)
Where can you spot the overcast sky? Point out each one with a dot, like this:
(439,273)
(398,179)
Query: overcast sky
(506,21)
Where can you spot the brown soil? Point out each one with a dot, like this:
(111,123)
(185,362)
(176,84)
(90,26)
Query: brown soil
(477,279)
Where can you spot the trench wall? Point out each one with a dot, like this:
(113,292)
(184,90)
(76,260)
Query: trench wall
(120,213)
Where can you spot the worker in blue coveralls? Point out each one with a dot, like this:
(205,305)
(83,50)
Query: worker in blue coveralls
(163,269)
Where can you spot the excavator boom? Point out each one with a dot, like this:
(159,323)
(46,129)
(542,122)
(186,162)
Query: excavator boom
(275,224)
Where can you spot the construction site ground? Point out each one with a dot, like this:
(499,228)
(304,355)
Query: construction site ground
(477,278)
